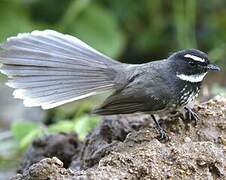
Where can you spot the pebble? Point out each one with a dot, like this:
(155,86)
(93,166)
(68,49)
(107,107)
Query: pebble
(58,162)
(187,139)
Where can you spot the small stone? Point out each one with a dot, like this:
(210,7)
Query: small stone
(201,162)
(70,171)
(130,171)
(222,140)
(187,139)
(58,162)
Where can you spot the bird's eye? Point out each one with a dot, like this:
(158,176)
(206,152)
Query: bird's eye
(191,63)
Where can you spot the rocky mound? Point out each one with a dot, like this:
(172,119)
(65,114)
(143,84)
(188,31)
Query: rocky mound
(126,147)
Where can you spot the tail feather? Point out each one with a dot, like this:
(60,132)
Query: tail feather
(59,83)
(38,57)
(37,71)
(46,91)
(49,69)
(51,42)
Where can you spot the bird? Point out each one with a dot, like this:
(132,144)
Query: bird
(48,69)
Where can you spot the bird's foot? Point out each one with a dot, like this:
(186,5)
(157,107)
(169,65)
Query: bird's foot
(162,133)
(191,115)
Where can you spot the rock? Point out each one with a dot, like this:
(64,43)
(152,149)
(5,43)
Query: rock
(126,147)
(45,169)
(64,146)
(102,139)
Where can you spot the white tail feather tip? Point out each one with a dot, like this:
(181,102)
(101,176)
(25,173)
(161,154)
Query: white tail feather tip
(9,84)
(31,102)
(52,105)
(19,93)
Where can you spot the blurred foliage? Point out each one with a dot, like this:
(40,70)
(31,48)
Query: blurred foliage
(89,21)
(134,31)
(131,31)
(21,129)
(97,27)
(218,90)
(24,132)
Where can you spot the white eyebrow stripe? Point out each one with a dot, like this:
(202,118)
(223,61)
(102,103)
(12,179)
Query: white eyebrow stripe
(195,58)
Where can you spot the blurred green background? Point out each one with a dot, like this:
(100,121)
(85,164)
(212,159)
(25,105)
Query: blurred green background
(128,30)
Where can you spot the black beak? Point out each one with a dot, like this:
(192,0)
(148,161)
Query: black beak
(213,67)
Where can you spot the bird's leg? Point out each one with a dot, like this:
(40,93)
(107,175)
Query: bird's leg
(191,115)
(162,133)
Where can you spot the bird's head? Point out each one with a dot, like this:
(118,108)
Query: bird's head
(191,65)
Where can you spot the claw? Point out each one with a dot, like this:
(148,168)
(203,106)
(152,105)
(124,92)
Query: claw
(191,115)
(162,134)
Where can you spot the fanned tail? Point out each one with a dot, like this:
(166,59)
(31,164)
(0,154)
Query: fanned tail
(49,69)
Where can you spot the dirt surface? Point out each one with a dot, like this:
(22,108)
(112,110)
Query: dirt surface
(126,147)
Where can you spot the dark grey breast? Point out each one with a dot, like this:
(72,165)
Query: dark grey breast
(146,89)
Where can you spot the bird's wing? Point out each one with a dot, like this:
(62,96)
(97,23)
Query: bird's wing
(122,103)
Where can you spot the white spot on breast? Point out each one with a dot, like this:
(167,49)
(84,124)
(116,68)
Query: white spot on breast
(184,89)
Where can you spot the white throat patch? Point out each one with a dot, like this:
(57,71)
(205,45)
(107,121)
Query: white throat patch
(195,58)
(192,78)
